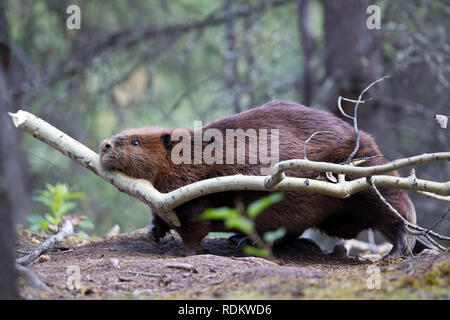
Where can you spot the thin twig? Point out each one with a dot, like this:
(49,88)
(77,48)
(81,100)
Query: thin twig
(342,110)
(154,275)
(183,266)
(312,136)
(355,117)
(66,230)
(438,221)
(427,236)
(357,162)
(425,232)
(434,196)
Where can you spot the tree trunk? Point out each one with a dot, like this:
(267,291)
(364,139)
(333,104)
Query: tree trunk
(13,193)
(231,75)
(352,59)
(14,181)
(308,49)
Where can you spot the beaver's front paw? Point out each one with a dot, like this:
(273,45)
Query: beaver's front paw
(240,240)
(156,230)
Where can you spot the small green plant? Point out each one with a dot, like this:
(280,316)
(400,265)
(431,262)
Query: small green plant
(244,221)
(57,201)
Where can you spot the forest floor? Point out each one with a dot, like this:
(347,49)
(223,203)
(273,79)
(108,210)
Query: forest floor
(127,266)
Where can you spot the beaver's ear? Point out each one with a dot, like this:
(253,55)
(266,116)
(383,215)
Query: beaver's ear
(166,139)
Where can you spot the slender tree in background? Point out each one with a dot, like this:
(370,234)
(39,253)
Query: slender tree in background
(231,74)
(351,59)
(308,50)
(9,168)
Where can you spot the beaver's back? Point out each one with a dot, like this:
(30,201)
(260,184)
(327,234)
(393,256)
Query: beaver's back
(296,123)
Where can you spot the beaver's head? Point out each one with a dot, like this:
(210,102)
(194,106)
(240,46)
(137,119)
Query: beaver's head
(139,153)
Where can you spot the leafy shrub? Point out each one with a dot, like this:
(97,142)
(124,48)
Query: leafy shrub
(57,201)
(237,219)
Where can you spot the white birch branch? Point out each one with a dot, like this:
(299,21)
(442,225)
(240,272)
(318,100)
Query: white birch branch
(283,166)
(435,196)
(164,203)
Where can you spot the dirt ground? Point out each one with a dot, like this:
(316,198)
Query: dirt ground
(127,266)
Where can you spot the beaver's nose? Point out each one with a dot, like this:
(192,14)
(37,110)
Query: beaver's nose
(106,145)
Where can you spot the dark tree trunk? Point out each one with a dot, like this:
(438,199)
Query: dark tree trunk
(231,75)
(352,59)
(308,49)
(14,195)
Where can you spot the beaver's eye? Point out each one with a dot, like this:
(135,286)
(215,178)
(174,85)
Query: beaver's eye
(136,143)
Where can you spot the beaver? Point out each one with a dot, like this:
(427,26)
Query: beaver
(147,153)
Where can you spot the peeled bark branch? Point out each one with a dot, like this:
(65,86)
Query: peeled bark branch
(435,196)
(164,203)
(443,188)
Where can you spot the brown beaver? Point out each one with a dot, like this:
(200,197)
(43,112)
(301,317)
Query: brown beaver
(146,153)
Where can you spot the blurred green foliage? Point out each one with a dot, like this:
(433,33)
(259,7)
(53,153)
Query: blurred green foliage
(236,220)
(56,201)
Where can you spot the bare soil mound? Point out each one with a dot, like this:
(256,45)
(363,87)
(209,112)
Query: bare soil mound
(127,266)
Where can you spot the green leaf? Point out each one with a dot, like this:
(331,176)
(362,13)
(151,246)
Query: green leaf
(45,200)
(220,234)
(34,218)
(37,222)
(219,213)
(87,224)
(75,195)
(258,206)
(56,205)
(35,227)
(257,252)
(43,225)
(271,236)
(82,234)
(65,207)
(53,220)
(49,187)
(240,223)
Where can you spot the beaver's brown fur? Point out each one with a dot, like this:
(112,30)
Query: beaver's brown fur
(150,158)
